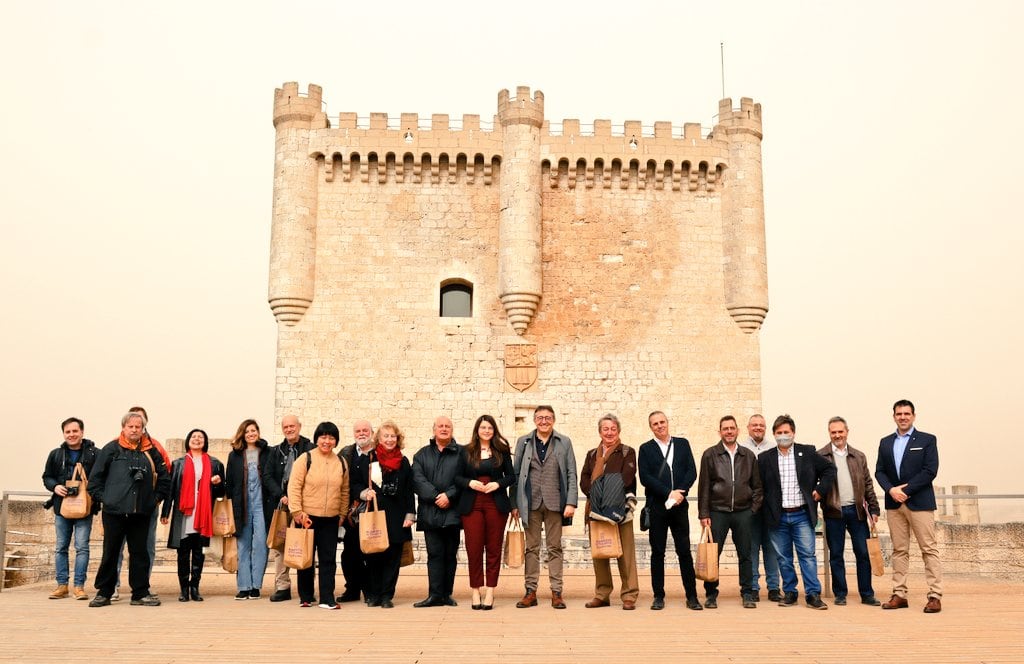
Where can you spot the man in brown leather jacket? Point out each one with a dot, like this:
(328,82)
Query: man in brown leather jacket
(728,496)
(847,507)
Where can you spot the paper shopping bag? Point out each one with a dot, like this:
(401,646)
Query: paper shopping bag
(605,541)
(223,518)
(875,552)
(298,548)
(373,530)
(229,558)
(515,543)
(706,566)
(278,529)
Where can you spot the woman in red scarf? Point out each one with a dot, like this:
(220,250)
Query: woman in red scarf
(386,474)
(196,479)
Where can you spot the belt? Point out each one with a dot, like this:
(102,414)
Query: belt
(793,509)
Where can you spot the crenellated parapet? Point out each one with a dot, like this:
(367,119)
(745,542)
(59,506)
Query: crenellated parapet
(522,154)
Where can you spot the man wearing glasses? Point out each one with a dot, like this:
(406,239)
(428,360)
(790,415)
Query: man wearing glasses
(544,494)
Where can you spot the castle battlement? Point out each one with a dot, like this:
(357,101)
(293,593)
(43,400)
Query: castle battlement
(522,109)
(745,119)
(291,106)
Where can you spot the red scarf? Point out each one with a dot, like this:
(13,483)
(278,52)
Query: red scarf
(389,460)
(188,503)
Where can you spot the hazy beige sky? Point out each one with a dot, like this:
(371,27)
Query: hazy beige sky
(136,154)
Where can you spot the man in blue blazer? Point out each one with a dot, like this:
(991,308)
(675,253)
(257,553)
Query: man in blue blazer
(908,462)
(667,471)
(795,478)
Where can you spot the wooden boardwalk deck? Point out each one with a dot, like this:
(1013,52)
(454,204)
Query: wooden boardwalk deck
(981,621)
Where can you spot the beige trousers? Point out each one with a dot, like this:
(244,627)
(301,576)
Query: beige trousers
(552,523)
(922,523)
(281,579)
(627,569)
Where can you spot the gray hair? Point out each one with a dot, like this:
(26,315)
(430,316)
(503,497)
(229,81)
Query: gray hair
(611,418)
(839,419)
(131,416)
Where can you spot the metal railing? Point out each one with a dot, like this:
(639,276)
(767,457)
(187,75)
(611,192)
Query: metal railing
(4,512)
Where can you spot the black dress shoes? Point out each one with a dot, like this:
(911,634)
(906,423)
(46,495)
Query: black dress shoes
(658,604)
(281,595)
(432,600)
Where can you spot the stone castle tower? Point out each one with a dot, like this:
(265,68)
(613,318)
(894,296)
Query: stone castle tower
(425,267)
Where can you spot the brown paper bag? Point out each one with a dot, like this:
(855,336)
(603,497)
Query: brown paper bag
(229,558)
(515,543)
(373,530)
(604,540)
(223,518)
(79,505)
(278,529)
(706,565)
(875,552)
(408,555)
(298,548)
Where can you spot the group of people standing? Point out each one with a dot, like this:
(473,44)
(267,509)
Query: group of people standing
(766,495)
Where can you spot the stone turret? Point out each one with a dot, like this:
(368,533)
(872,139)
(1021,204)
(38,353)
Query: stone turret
(746,268)
(519,220)
(293,226)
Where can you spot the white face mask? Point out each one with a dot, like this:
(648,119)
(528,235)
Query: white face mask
(784,441)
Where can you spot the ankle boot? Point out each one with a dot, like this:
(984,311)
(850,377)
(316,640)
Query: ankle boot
(183,597)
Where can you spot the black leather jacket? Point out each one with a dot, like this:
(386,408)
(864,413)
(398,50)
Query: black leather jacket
(723,490)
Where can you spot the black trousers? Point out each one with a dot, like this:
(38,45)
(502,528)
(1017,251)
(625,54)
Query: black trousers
(442,559)
(190,561)
(118,529)
(677,520)
(382,572)
(325,553)
(741,525)
(353,563)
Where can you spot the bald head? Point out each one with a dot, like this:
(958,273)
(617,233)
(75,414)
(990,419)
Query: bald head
(442,431)
(291,427)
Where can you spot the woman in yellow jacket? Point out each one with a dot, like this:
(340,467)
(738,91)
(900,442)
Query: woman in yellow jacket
(318,499)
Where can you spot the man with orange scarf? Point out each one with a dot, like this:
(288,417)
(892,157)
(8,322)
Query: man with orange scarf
(129,479)
(612,456)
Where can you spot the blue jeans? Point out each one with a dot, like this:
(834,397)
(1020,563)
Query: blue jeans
(252,552)
(81,528)
(761,545)
(795,531)
(835,535)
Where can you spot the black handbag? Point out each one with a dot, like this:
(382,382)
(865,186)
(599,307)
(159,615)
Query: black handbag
(645,518)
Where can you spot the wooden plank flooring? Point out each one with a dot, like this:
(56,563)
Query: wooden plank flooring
(981,622)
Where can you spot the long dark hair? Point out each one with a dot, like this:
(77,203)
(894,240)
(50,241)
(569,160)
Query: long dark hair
(499,446)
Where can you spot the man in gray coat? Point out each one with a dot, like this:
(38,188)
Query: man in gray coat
(545,494)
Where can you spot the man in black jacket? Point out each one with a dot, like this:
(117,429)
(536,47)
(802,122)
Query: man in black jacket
(667,471)
(130,479)
(728,497)
(353,562)
(434,468)
(278,470)
(60,466)
(795,478)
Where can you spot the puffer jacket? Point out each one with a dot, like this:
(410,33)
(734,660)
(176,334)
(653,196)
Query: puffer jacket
(129,481)
(863,485)
(319,485)
(59,469)
(433,473)
(722,490)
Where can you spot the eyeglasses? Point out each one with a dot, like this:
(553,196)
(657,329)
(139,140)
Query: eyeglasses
(544,418)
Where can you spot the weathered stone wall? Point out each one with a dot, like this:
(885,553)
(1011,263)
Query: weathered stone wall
(651,269)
